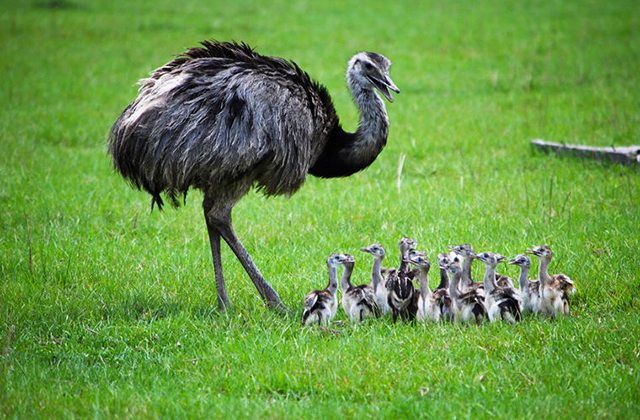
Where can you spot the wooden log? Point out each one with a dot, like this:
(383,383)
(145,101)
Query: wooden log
(629,155)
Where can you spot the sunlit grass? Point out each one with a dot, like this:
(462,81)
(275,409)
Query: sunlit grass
(109,310)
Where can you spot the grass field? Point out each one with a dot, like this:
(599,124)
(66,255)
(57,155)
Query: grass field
(108,310)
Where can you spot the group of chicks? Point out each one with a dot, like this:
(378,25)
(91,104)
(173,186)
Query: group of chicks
(458,298)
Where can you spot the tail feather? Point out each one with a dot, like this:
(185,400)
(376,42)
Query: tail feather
(305,315)
(371,306)
(511,306)
(479,312)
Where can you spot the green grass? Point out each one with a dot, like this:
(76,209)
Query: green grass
(108,310)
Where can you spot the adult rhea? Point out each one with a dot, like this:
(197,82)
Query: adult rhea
(222,118)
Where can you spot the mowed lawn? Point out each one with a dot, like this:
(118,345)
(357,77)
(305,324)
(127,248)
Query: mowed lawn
(108,310)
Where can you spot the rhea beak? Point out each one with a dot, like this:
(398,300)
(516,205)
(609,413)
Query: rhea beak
(512,262)
(530,252)
(384,84)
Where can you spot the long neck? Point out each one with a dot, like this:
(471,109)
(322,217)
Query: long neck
(466,271)
(333,280)
(423,278)
(444,279)
(404,259)
(524,277)
(490,278)
(404,266)
(454,292)
(345,281)
(376,274)
(545,278)
(373,128)
(347,153)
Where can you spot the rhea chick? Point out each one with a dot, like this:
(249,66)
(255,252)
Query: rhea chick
(428,306)
(529,289)
(441,292)
(502,303)
(466,252)
(377,281)
(399,285)
(358,302)
(554,290)
(468,306)
(320,306)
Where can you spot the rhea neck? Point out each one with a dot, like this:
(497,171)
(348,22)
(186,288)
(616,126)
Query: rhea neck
(466,271)
(524,277)
(423,278)
(333,279)
(454,292)
(444,279)
(545,278)
(404,258)
(490,278)
(376,273)
(347,153)
(345,281)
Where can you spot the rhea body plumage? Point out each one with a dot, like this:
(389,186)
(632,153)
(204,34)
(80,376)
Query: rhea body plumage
(443,260)
(358,302)
(441,292)
(223,119)
(468,306)
(529,289)
(399,285)
(554,290)
(320,306)
(377,280)
(427,305)
(466,252)
(502,302)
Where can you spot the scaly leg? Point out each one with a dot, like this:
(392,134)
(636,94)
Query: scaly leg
(219,220)
(214,240)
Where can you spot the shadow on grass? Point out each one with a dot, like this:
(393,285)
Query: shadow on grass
(142,308)
(56,5)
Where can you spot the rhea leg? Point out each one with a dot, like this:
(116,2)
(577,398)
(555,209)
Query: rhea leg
(219,222)
(214,240)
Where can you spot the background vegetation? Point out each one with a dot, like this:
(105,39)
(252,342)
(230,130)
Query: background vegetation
(109,310)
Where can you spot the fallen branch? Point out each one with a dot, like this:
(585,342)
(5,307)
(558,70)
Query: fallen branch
(624,155)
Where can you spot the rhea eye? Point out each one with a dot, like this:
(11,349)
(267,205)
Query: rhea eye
(368,66)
